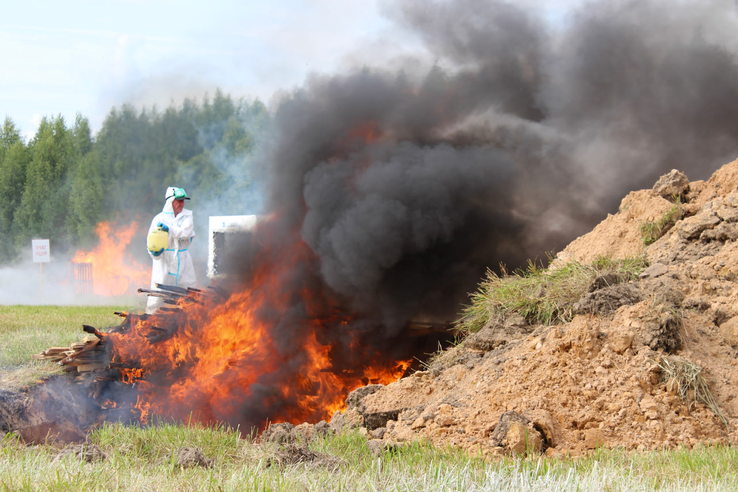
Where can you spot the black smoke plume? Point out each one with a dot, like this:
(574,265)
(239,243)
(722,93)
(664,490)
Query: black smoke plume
(519,136)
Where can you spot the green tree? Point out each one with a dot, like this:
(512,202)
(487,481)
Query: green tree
(86,199)
(125,148)
(82,136)
(14,159)
(9,135)
(63,181)
(43,207)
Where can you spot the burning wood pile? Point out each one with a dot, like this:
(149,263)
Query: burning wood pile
(111,380)
(243,358)
(94,354)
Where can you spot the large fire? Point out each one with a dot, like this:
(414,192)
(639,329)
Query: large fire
(281,346)
(251,358)
(114,272)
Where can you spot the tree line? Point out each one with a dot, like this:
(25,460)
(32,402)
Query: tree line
(64,180)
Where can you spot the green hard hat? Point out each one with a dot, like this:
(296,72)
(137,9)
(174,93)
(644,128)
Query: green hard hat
(177,193)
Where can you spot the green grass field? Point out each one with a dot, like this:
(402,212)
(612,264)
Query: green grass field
(26,330)
(145,458)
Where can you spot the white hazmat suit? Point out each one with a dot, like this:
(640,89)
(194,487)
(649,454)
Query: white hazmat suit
(174,266)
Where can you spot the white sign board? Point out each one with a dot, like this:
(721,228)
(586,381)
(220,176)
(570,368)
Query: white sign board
(41,251)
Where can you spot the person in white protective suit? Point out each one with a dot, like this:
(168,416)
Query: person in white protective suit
(172,265)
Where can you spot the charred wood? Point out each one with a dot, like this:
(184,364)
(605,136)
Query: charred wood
(160,337)
(161,293)
(173,288)
(92,330)
(118,365)
(220,291)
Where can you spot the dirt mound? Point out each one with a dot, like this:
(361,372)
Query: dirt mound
(618,235)
(299,454)
(644,365)
(292,445)
(86,452)
(190,457)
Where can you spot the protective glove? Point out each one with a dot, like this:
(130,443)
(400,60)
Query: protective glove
(158,253)
(163,227)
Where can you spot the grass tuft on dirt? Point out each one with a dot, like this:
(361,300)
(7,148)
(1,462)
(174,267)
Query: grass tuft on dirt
(652,231)
(541,295)
(684,377)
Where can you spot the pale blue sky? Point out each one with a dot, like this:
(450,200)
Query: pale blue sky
(87,56)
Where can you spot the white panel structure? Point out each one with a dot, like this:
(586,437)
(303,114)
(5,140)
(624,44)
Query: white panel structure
(221,231)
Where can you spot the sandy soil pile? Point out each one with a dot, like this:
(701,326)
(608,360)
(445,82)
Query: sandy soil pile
(600,380)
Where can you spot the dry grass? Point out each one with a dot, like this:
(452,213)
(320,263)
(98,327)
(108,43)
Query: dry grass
(684,377)
(540,295)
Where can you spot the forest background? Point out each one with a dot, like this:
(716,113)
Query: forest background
(64,181)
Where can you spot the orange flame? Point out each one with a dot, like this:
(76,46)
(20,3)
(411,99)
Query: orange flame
(278,349)
(114,272)
(366,132)
(225,363)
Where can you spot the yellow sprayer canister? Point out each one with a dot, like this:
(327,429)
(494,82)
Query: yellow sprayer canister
(157,240)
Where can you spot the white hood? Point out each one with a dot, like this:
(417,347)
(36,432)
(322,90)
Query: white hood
(168,203)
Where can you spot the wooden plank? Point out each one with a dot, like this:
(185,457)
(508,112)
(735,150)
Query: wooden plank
(90,367)
(55,350)
(70,363)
